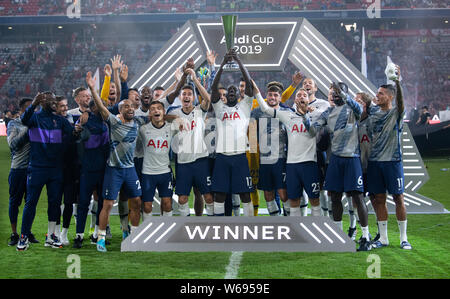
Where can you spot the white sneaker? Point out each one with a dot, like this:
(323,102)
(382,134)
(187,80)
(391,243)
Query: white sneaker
(53,241)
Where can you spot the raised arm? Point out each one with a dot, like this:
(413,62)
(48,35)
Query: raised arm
(26,117)
(215,96)
(245,74)
(123,82)
(104,94)
(356,108)
(287,93)
(98,102)
(206,99)
(399,98)
(262,104)
(116,63)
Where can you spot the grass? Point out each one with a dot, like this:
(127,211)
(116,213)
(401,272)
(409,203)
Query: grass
(428,234)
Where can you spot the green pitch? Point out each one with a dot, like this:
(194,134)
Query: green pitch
(428,234)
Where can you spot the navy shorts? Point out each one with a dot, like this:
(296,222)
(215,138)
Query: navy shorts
(302,176)
(151,182)
(272,176)
(385,176)
(192,174)
(116,177)
(231,174)
(344,174)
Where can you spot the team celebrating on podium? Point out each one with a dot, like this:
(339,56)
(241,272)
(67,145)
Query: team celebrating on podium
(222,143)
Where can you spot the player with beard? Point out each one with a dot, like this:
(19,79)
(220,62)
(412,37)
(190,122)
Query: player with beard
(315,108)
(19,144)
(385,167)
(231,172)
(120,168)
(344,173)
(109,91)
(82,97)
(192,154)
(272,149)
(45,131)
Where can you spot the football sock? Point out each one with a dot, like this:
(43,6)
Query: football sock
(184,209)
(315,210)
(236,204)
(64,233)
(339,224)
(210,209)
(81,235)
(295,211)
(95,234)
(304,205)
(168,214)
(287,208)
(133,228)
(351,212)
(51,228)
(248,209)
(402,227)
(124,222)
(365,232)
(145,216)
(58,230)
(382,227)
(272,207)
(219,208)
(101,234)
(323,197)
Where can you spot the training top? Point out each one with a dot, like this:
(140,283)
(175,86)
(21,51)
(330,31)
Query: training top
(157,142)
(96,148)
(342,124)
(123,140)
(189,145)
(46,130)
(231,125)
(301,140)
(19,144)
(385,128)
(272,136)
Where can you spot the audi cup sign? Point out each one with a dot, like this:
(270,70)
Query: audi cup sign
(261,45)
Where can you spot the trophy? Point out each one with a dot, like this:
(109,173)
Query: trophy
(229,29)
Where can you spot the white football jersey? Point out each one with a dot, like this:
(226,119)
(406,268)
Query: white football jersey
(231,125)
(156,142)
(189,144)
(301,143)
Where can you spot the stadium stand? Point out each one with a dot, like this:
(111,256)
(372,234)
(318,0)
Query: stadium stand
(54,7)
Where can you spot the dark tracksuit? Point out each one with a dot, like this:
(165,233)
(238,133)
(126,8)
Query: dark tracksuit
(93,153)
(45,130)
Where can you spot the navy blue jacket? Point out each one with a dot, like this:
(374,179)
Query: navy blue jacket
(46,131)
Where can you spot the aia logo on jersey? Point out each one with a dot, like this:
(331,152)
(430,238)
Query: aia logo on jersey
(365,138)
(158,143)
(298,129)
(231,116)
